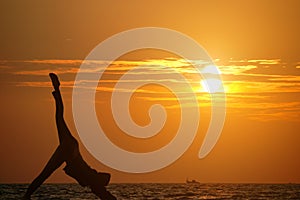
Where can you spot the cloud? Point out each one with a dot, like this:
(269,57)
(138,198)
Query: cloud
(54,62)
(65,84)
(258,88)
(46,71)
(265,61)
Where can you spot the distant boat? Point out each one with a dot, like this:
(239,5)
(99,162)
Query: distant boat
(191,181)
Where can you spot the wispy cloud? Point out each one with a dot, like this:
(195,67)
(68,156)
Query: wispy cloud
(46,71)
(249,84)
(265,61)
(66,84)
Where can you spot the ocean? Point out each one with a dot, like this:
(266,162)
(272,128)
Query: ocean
(157,191)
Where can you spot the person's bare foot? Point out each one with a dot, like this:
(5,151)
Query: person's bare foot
(55,81)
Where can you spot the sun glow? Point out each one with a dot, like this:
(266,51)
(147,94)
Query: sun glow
(212,85)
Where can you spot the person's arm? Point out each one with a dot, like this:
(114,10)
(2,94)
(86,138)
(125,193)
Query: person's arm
(103,194)
(55,162)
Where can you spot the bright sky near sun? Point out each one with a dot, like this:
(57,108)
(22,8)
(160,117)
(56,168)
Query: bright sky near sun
(255,46)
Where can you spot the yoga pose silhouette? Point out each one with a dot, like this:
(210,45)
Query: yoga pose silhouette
(68,151)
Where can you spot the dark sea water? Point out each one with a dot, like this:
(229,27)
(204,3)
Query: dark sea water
(159,191)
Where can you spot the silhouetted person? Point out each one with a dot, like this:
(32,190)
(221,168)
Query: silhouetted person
(68,151)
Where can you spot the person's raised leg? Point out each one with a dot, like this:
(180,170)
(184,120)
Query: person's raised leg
(55,162)
(64,133)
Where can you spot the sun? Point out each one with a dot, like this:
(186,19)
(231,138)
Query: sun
(212,85)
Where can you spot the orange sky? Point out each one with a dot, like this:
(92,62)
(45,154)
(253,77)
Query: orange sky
(255,45)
